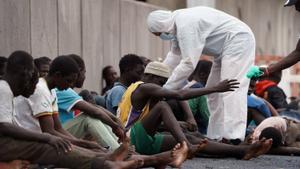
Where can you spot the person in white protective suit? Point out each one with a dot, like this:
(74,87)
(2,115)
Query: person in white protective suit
(203,30)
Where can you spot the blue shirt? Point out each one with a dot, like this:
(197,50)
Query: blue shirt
(114,97)
(259,105)
(66,101)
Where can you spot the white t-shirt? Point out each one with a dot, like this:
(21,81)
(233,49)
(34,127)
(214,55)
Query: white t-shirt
(277,122)
(44,101)
(6,102)
(24,117)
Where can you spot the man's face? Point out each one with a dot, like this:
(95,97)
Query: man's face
(44,70)
(112,75)
(65,82)
(31,85)
(137,73)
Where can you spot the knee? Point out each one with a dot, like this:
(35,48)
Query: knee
(163,105)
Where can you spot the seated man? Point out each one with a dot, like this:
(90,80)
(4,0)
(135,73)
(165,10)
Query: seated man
(43,65)
(267,88)
(131,70)
(199,105)
(258,108)
(94,121)
(143,109)
(284,132)
(19,143)
(40,111)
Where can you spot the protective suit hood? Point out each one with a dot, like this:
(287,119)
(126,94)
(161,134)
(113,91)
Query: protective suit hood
(161,21)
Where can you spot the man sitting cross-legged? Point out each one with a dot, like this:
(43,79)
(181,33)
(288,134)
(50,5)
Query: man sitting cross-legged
(19,143)
(143,109)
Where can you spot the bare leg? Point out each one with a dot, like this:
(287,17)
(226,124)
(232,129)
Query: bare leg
(16,164)
(246,152)
(161,112)
(285,151)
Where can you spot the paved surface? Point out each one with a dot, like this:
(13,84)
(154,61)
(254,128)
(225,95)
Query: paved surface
(262,162)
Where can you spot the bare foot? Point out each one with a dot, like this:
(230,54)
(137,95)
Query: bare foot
(194,149)
(17,164)
(258,148)
(266,146)
(120,153)
(132,164)
(179,154)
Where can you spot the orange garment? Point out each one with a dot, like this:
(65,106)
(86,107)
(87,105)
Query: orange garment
(262,86)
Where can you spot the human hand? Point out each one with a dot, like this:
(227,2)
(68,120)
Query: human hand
(192,125)
(120,133)
(62,146)
(265,71)
(227,85)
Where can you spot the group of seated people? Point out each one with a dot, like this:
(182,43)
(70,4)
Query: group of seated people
(135,123)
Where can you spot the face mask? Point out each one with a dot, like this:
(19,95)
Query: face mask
(167,36)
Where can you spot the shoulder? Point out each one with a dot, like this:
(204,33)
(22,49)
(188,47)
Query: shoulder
(68,92)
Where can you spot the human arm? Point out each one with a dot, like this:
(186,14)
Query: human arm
(286,62)
(103,115)
(188,115)
(11,130)
(155,91)
(274,112)
(191,41)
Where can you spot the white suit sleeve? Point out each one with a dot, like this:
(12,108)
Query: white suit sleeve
(191,43)
(173,57)
(179,76)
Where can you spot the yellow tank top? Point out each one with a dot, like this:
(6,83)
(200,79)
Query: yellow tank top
(126,113)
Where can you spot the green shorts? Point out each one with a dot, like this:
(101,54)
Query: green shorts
(144,143)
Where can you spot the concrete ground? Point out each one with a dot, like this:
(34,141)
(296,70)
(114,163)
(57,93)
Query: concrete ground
(262,162)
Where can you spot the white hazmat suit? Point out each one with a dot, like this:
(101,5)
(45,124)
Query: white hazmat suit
(204,30)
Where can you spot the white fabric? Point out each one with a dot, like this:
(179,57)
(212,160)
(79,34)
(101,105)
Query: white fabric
(24,117)
(44,101)
(161,21)
(203,30)
(277,122)
(6,102)
(228,111)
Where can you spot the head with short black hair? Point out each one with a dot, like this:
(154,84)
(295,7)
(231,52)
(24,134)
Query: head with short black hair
(19,71)
(87,96)
(145,60)
(63,72)
(274,134)
(3,61)
(82,70)
(131,66)
(43,65)
(201,72)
